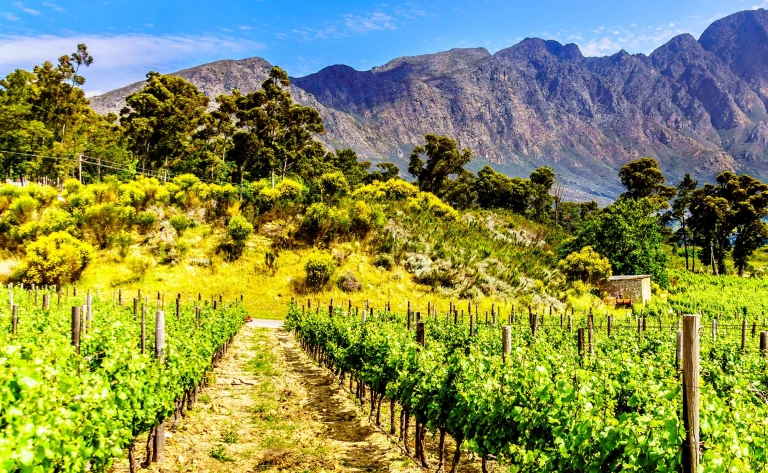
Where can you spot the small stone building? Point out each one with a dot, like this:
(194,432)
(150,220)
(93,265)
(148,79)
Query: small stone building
(635,287)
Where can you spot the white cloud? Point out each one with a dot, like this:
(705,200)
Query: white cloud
(122,59)
(53,6)
(762,5)
(599,47)
(9,16)
(375,22)
(26,10)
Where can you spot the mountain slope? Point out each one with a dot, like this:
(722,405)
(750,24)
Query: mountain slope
(697,106)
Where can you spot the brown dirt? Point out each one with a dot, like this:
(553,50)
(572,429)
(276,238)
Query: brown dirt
(271,408)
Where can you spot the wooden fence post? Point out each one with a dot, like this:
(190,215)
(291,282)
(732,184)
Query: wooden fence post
(506,342)
(46,301)
(610,326)
(679,350)
(764,344)
(471,325)
(197,316)
(15,320)
(135,308)
(580,335)
(178,310)
(691,392)
(143,328)
(744,335)
(159,440)
(76,328)
(420,333)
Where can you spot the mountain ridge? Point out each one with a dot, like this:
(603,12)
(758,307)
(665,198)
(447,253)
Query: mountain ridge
(697,106)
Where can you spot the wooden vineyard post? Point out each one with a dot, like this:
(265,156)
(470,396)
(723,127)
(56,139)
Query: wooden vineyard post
(534,324)
(744,335)
(409,317)
(581,342)
(159,440)
(471,325)
(76,328)
(89,308)
(135,308)
(143,328)
(215,305)
(691,392)
(506,342)
(679,350)
(764,344)
(15,320)
(610,326)
(46,301)
(420,333)
(330,308)
(120,297)
(178,310)
(562,319)
(197,316)
(570,321)
(10,297)
(591,334)
(363,317)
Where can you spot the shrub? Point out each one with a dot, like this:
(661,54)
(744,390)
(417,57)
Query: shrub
(105,221)
(319,268)
(57,258)
(349,283)
(270,261)
(239,229)
(384,261)
(316,220)
(586,266)
(124,241)
(146,221)
(180,223)
(360,218)
(140,265)
(22,209)
(289,190)
(333,185)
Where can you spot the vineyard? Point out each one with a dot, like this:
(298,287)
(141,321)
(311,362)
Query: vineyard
(82,375)
(557,391)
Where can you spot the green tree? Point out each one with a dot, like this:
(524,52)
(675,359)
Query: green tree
(385,172)
(161,120)
(643,178)
(736,204)
(680,211)
(273,133)
(629,234)
(542,179)
(443,160)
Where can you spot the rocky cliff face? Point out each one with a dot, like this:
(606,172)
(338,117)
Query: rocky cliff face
(697,106)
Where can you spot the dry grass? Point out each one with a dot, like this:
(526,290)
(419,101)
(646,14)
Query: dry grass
(267,293)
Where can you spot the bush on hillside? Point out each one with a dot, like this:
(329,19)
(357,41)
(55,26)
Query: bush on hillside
(57,258)
(238,231)
(319,269)
(105,221)
(586,266)
(180,223)
(349,283)
(146,221)
(333,186)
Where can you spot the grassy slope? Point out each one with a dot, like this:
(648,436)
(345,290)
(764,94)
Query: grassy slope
(266,295)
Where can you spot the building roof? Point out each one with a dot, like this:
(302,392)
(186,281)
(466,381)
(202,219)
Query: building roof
(633,276)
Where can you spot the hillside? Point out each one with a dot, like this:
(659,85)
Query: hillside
(696,106)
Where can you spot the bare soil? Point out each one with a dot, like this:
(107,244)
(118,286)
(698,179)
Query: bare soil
(271,408)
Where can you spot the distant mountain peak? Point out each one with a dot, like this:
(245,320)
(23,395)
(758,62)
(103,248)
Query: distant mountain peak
(696,106)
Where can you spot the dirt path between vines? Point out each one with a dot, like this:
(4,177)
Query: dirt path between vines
(271,408)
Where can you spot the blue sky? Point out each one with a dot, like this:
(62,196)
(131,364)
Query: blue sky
(130,37)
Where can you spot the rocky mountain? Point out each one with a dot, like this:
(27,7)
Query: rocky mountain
(697,106)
